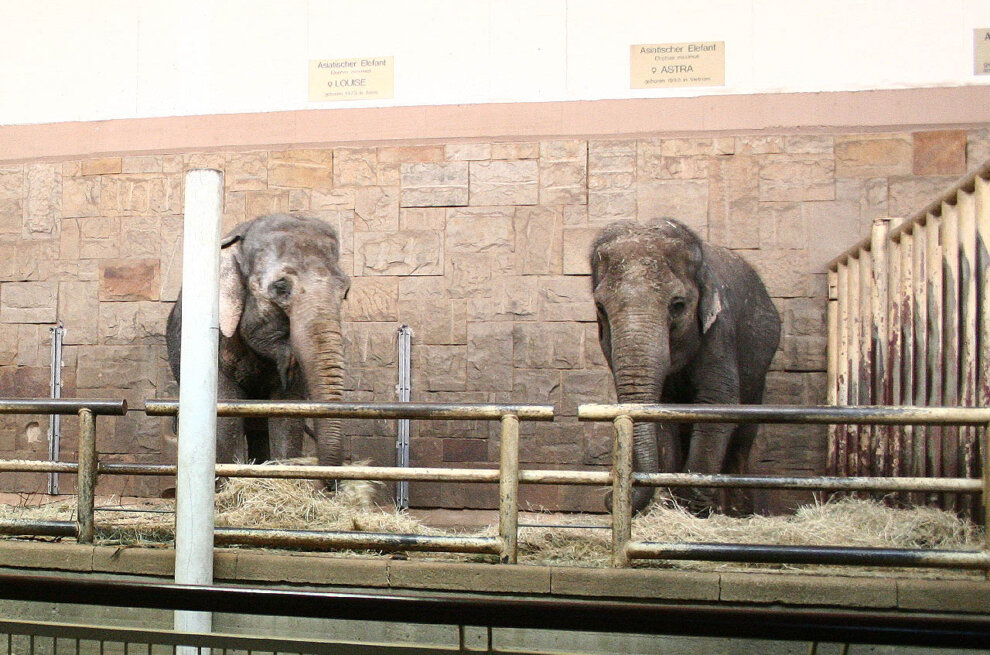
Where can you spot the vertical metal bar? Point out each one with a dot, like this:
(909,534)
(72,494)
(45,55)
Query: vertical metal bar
(894,346)
(933,228)
(968,346)
(920,311)
(950,343)
(867,445)
(86,477)
(982,194)
(508,489)
(622,469)
(832,367)
(855,334)
(55,420)
(986,490)
(880,335)
(403,390)
(842,448)
(907,348)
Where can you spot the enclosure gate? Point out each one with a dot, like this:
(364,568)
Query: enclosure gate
(909,324)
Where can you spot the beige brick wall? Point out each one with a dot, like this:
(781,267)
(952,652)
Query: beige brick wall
(480,247)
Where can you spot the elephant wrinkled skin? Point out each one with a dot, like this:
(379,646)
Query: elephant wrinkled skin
(281,290)
(682,321)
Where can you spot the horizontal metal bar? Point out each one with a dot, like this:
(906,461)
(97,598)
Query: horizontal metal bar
(810,555)
(137,469)
(63,406)
(325,541)
(356,473)
(302,409)
(643,617)
(27,527)
(219,641)
(815,483)
(534,476)
(861,415)
(33,466)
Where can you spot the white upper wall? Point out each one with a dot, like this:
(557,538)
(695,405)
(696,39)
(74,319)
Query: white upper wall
(66,60)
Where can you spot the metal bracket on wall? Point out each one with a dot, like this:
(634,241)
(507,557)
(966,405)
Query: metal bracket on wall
(55,420)
(402,390)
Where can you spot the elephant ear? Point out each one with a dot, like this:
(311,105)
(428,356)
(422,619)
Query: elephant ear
(232,288)
(710,302)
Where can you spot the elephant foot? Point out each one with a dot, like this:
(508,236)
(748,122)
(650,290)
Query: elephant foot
(698,501)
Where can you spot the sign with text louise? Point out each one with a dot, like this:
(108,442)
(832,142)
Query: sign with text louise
(667,65)
(362,78)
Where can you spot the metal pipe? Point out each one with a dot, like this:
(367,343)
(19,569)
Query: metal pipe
(403,390)
(86,477)
(893,353)
(933,362)
(951,332)
(63,406)
(832,368)
(842,431)
(198,390)
(55,420)
(326,541)
(622,454)
(968,341)
(879,303)
(302,409)
(814,483)
(508,489)
(855,370)
(822,555)
(872,415)
(22,527)
(632,616)
(919,375)
(907,348)
(35,466)
(867,361)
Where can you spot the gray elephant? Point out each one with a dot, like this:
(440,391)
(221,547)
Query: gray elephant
(281,290)
(682,321)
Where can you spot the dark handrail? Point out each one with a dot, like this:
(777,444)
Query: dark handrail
(642,617)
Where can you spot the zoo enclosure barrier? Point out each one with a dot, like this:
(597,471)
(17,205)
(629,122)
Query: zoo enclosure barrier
(909,324)
(509,476)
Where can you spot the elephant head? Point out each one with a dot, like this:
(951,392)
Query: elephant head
(280,297)
(656,297)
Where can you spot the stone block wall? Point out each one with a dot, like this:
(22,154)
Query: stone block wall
(481,247)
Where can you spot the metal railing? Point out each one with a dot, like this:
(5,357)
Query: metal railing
(909,324)
(625,549)
(508,476)
(646,617)
(86,469)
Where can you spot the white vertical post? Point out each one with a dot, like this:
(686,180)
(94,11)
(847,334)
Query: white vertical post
(194,486)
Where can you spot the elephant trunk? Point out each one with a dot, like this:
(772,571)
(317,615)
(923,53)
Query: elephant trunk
(318,343)
(640,363)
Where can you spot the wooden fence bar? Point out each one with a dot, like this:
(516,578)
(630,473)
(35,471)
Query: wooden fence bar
(909,324)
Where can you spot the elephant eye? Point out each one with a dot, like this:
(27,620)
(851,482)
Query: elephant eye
(677,307)
(281,288)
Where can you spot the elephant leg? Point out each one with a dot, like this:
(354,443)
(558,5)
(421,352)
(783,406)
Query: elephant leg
(739,502)
(231,438)
(707,454)
(285,435)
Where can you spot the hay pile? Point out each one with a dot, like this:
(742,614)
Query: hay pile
(302,505)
